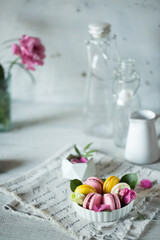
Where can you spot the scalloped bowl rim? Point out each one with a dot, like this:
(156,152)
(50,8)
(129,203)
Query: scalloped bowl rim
(104,216)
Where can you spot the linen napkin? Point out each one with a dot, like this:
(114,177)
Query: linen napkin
(43,193)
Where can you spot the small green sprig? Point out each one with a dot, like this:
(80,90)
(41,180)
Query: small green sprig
(85,153)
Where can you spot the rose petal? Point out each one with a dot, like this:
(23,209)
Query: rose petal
(127,198)
(84,160)
(74,160)
(101,207)
(123,192)
(81,160)
(16,49)
(145,183)
(133,195)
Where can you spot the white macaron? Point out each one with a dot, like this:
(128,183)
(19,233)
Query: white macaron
(119,186)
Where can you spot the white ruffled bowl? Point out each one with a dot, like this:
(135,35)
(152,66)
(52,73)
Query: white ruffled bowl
(104,216)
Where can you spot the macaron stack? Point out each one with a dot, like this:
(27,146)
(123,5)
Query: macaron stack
(102,195)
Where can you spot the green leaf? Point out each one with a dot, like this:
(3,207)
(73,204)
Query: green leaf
(140,216)
(87,146)
(75,183)
(91,151)
(87,155)
(77,151)
(131,179)
(2,77)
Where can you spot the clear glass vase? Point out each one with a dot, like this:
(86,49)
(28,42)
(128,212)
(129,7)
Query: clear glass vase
(5,104)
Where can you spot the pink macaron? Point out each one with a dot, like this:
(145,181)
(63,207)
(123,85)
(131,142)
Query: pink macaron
(95,182)
(112,200)
(91,200)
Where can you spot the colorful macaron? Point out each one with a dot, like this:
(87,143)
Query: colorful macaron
(95,182)
(112,201)
(110,183)
(85,189)
(91,200)
(119,186)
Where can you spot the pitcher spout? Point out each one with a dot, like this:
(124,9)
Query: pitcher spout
(142,116)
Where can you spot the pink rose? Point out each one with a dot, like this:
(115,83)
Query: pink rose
(127,195)
(31,51)
(81,160)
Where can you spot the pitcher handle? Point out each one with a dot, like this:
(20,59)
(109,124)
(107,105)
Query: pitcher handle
(156,117)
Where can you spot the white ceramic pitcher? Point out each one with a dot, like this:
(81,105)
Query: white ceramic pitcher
(142,141)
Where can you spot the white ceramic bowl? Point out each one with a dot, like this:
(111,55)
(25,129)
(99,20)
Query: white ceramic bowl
(104,216)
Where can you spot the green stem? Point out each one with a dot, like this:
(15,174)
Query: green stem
(21,66)
(27,71)
(12,64)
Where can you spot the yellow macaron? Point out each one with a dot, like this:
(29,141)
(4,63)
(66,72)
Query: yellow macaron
(110,183)
(85,189)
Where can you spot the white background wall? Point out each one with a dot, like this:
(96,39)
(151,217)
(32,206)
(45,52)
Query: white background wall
(62,27)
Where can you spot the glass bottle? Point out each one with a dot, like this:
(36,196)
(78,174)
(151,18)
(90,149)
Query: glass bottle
(125,85)
(98,102)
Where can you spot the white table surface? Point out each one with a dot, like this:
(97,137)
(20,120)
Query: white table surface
(39,130)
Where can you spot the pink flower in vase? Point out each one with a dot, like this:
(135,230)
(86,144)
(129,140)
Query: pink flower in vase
(30,50)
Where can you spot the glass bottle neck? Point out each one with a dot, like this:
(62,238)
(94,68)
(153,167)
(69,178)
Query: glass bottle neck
(98,41)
